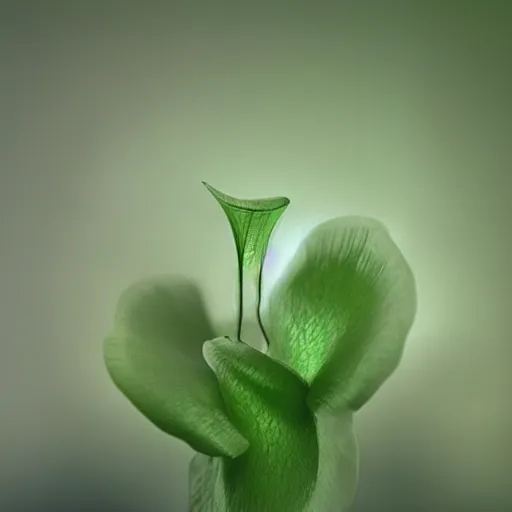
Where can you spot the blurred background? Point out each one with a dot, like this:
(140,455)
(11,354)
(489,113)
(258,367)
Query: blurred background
(112,114)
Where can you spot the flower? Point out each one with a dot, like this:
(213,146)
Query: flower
(273,429)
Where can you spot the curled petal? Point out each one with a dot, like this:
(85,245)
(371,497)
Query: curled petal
(268,403)
(336,482)
(154,356)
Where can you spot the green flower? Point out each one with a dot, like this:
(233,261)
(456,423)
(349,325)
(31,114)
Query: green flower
(272,428)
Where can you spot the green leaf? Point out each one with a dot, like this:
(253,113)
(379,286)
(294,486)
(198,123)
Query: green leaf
(154,356)
(252,222)
(342,311)
(338,466)
(267,403)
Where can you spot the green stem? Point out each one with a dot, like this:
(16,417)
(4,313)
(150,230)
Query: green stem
(240,300)
(258,307)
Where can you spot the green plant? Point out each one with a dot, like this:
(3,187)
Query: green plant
(273,429)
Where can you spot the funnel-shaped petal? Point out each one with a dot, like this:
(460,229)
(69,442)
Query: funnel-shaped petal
(252,222)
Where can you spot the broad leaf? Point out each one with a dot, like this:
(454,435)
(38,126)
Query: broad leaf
(154,356)
(267,402)
(342,311)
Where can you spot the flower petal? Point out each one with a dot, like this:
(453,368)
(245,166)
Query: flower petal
(252,222)
(337,474)
(203,474)
(338,466)
(154,356)
(268,403)
(342,311)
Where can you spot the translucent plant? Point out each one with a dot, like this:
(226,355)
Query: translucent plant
(272,428)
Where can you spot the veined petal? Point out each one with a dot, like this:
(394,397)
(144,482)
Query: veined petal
(268,404)
(154,356)
(252,222)
(336,482)
(203,476)
(342,311)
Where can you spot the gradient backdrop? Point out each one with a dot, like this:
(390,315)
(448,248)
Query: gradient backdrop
(111,114)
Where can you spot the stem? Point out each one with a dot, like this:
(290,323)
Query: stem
(240,299)
(258,306)
(249,303)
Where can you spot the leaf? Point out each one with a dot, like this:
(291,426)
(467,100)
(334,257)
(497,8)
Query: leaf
(267,403)
(341,312)
(338,465)
(252,222)
(154,356)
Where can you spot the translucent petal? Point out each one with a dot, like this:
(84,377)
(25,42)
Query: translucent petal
(338,466)
(202,479)
(252,222)
(267,402)
(342,311)
(154,356)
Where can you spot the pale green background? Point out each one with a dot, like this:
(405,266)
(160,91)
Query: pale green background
(112,114)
